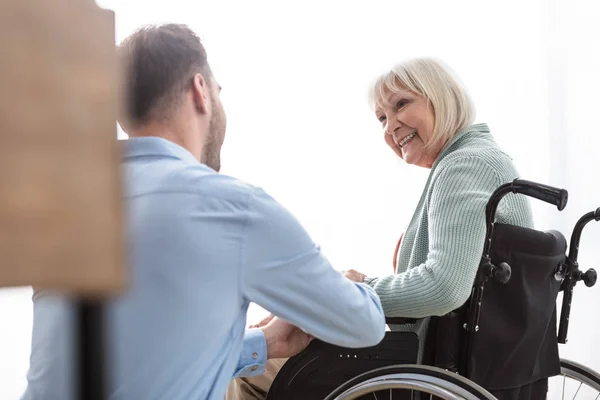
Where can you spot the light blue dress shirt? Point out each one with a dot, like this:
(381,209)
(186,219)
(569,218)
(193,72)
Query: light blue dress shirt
(201,246)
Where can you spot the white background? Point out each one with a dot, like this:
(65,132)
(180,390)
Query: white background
(295,79)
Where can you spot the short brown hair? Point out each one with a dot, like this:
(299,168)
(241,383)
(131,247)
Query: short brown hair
(159,62)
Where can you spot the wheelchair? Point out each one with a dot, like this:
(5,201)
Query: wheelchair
(501,346)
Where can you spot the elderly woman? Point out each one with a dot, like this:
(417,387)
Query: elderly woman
(427,120)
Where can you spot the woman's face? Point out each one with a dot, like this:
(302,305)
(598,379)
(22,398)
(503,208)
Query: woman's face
(408,122)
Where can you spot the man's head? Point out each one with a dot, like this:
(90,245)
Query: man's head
(170,91)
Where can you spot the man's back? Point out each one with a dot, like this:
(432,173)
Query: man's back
(200,249)
(184,306)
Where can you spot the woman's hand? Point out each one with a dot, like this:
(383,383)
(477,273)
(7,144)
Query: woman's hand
(354,275)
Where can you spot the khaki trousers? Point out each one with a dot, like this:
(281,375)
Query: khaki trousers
(256,387)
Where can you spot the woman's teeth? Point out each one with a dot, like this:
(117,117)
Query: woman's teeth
(407,139)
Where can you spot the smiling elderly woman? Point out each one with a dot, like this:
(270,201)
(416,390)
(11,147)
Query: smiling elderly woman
(427,120)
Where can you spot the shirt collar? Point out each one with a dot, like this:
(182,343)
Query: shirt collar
(156,146)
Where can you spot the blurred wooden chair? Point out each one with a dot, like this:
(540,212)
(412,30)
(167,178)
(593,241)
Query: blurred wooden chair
(60,194)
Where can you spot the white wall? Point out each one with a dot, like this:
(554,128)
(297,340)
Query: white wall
(295,78)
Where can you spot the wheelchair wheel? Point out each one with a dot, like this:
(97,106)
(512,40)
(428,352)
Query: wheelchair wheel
(575,382)
(400,382)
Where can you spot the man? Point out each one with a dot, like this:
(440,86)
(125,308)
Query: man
(202,246)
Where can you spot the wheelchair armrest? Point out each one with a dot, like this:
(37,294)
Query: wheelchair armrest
(399,320)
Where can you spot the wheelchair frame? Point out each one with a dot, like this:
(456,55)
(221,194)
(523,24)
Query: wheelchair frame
(567,272)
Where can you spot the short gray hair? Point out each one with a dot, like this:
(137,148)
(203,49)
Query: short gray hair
(428,77)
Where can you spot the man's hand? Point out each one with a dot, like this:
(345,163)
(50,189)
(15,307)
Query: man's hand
(262,323)
(354,275)
(284,340)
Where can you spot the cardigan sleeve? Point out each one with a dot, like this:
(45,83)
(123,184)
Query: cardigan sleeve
(456,235)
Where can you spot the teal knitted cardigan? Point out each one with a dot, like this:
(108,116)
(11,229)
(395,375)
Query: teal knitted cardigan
(443,243)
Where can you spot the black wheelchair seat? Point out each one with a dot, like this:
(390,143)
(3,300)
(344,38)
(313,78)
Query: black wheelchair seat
(322,367)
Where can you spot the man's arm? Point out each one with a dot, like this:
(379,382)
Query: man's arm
(284,271)
(254,354)
(277,339)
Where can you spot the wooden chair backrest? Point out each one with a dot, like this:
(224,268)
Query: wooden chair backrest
(60,186)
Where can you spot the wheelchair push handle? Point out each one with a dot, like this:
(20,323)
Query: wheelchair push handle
(549,194)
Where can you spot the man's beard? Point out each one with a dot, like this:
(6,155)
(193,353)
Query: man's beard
(211,155)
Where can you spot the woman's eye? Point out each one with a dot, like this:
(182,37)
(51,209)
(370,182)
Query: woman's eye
(401,104)
(381,118)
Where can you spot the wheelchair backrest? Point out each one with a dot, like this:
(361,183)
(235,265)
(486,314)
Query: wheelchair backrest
(515,342)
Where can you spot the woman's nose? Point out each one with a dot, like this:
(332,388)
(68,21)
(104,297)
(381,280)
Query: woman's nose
(392,127)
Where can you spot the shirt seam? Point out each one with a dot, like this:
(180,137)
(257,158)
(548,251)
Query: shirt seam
(245,229)
(206,195)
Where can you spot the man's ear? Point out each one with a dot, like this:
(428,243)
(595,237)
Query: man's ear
(200,93)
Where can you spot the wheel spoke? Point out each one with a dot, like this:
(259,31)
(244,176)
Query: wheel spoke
(578,389)
(582,381)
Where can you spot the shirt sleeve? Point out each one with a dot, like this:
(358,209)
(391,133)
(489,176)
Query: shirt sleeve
(457,228)
(253,357)
(285,272)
